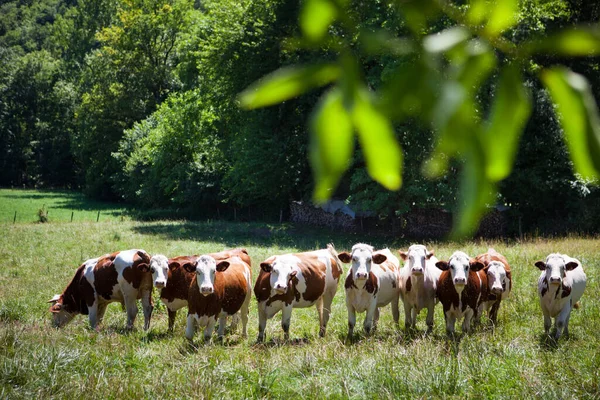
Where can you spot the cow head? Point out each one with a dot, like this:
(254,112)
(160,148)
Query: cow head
(459,266)
(496,273)
(361,258)
(416,258)
(555,267)
(206,268)
(283,269)
(159,267)
(62,313)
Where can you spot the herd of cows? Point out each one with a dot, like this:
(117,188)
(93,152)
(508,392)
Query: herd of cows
(218,285)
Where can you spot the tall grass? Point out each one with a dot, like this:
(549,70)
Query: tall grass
(512,360)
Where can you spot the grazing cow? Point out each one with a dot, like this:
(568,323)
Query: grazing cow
(418,283)
(175,293)
(497,283)
(297,281)
(459,289)
(560,286)
(371,283)
(122,276)
(219,289)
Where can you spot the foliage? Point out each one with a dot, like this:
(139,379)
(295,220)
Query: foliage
(440,86)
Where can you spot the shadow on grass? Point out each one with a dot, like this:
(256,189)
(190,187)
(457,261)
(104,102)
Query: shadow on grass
(277,342)
(549,343)
(154,336)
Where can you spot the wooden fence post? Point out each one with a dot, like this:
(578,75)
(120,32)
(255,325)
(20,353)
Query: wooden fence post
(72,215)
(98,217)
(15,218)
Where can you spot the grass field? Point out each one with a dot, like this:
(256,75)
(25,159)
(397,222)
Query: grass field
(515,360)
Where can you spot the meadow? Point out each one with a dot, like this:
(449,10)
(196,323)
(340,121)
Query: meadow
(512,360)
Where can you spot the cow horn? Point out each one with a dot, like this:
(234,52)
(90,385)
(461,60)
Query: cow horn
(54,299)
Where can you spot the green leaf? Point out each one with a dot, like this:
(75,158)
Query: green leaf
(580,41)
(478,11)
(445,40)
(578,115)
(509,115)
(475,193)
(287,83)
(477,67)
(503,15)
(331,143)
(383,43)
(315,18)
(381,149)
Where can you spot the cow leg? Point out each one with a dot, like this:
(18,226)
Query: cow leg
(222,323)
(147,306)
(93,315)
(319,307)
(327,300)
(172,315)
(351,319)
(407,315)
(494,312)
(244,311)
(210,327)
(262,322)
(131,308)
(286,316)
(429,318)
(466,325)
(450,322)
(413,317)
(190,329)
(368,324)
(101,311)
(395,309)
(561,320)
(547,321)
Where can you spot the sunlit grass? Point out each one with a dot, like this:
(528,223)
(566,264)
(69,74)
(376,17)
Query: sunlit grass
(513,360)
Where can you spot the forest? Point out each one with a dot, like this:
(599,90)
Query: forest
(139,101)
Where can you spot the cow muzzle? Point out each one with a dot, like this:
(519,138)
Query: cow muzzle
(159,284)
(497,290)
(555,280)
(280,288)
(206,290)
(417,271)
(361,276)
(460,281)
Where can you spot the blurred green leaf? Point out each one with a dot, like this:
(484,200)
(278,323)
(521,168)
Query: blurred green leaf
(331,143)
(477,67)
(417,12)
(478,11)
(503,15)
(315,18)
(381,149)
(475,193)
(509,115)
(445,40)
(581,41)
(287,83)
(578,115)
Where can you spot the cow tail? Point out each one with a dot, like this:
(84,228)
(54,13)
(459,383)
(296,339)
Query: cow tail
(577,305)
(334,254)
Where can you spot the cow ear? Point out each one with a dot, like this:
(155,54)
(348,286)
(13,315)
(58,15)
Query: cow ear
(54,299)
(345,257)
(144,256)
(541,265)
(429,255)
(403,255)
(443,265)
(222,266)
(475,265)
(379,258)
(266,267)
(189,267)
(174,265)
(293,274)
(571,266)
(143,267)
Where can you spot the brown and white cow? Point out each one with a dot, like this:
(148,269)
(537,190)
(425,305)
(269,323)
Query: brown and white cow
(497,283)
(176,290)
(418,284)
(219,289)
(371,283)
(297,281)
(560,286)
(122,276)
(459,289)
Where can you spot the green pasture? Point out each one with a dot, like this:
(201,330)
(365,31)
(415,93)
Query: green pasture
(514,360)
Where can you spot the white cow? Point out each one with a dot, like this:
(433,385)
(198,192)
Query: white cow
(371,283)
(560,286)
(418,283)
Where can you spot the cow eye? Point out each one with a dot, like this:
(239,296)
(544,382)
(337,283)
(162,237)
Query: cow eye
(152,269)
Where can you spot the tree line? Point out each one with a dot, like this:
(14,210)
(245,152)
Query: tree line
(138,100)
